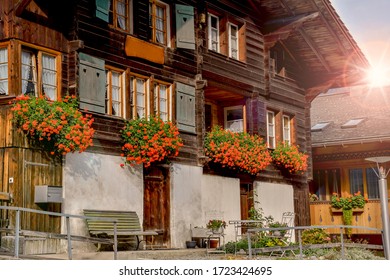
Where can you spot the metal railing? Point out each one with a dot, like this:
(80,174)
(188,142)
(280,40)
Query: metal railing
(250,233)
(68,236)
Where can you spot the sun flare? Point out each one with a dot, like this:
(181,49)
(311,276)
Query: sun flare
(378,76)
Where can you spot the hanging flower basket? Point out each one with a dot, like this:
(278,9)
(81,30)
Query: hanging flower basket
(57,127)
(287,157)
(150,140)
(237,151)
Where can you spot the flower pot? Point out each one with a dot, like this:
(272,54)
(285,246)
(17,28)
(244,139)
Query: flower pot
(213,243)
(190,244)
(217,230)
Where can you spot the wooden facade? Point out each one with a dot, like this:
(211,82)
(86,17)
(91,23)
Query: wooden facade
(355,127)
(254,56)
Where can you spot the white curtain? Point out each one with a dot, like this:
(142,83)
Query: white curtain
(49,78)
(3,71)
(121,13)
(140,98)
(115,94)
(26,70)
(160,25)
(163,103)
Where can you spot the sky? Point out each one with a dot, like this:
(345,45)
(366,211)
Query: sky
(368,21)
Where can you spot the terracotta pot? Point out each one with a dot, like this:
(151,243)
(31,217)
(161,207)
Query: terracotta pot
(213,243)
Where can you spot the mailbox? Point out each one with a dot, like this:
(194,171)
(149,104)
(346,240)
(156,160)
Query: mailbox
(48,194)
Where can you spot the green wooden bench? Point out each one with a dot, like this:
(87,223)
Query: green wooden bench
(128,228)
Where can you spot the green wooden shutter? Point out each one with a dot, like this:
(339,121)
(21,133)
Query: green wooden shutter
(102,9)
(185,29)
(92,83)
(185,107)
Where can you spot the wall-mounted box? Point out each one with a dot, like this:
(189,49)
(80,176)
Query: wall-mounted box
(48,193)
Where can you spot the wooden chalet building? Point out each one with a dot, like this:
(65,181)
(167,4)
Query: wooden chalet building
(256,63)
(349,125)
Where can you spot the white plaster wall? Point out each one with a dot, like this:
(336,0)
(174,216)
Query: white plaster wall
(194,197)
(96,181)
(221,194)
(274,199)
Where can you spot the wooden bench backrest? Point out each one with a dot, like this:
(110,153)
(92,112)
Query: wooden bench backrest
(126,220)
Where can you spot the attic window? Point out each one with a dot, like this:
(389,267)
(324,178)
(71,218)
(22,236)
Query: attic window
(319,126)
(352,123)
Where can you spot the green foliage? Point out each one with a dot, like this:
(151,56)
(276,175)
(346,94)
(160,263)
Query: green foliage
(349,202)
(315,236)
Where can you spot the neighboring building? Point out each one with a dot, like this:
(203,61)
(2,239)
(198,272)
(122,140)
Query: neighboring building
(250,66)
(348,126)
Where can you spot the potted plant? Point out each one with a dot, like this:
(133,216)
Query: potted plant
(348,205)
(216,225)
(57,127)
(287,157)
(149,140)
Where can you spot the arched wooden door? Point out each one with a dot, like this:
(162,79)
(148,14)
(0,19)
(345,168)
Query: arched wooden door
(157,205)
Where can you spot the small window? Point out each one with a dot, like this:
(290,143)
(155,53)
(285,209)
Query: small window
(233,41)
(271,129)
(319,126)
(372,184)
(162,101)
(286,129)
(158,18)
(114,92)
(119,14)
(139,95)
(39,74)
(213,33)
(3,71)
(356,181)
(234,118)
(352,123)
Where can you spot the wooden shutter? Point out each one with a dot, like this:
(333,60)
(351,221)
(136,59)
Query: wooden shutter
(92,83)
(102,9)
(185,104)
(185,29)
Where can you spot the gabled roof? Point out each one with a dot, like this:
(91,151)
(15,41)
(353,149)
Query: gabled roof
(369,105)
(313,33)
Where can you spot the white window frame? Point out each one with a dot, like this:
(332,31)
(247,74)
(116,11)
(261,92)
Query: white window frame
(286,129)
(210,32)
(271,137)
(164,113)
(4,82)
(111,99)
(232,50)
(136,94)
(227,123)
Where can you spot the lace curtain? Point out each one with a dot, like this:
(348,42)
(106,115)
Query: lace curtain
(49,76)
(3,71)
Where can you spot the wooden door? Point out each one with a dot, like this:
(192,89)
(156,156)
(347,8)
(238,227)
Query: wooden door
(157,205)
(246,201)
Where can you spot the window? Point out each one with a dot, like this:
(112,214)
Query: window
(326,181)
(162,97)
(319,126)
(158,22)
(372,184)
(39,74)
(234,118)
(119,14)
(3,71)
(356,180)
(286,129)
(352,123)
(213,33)
(114,92)
(233,41)
(271,130)
(139,89)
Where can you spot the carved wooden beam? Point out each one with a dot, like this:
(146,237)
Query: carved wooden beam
(280,29)
(20,6)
